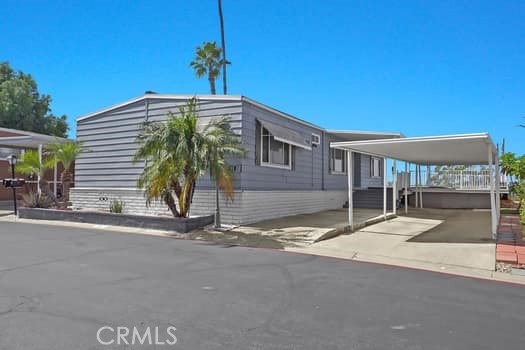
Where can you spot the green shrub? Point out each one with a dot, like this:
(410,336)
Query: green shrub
(35,200)
(116,207)
(522,211)
(517,189)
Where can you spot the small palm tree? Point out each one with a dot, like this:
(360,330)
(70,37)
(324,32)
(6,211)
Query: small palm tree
(31,164)
(178,152)
(174,159)
(221,142)
(208,62)
(64,153)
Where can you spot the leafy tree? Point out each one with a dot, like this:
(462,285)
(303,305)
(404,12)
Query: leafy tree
(208,62)
(23,107)
(64,153)
(513,165)
(177,152)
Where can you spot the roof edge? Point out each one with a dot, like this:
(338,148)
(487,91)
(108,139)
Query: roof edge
(282,114)
(367,132)
(481,135)
(31,133)
(157,96)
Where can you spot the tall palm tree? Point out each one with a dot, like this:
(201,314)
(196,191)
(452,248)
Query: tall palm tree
(31,164)
(64,153)
(178,152)
(208,62)
(223,47)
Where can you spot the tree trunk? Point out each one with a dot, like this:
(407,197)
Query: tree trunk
(224,86)
(65,178)
(185,199)
(170,202)
(211,79)
(217,207)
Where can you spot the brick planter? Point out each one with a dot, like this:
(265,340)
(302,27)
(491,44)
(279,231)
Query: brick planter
(510,247)
(180,225)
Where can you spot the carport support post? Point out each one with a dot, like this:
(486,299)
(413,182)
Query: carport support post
(350,173)
(39,190)
(494,219)
(420,188)
(394,187)
(55,179)
(416,188)
(384,187)
(407,185)
(498,185)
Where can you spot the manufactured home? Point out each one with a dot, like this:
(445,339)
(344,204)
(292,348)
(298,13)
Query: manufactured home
(289,169)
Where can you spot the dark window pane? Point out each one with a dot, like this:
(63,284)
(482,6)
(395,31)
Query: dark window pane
(286,154)
(265,145)
(276,151)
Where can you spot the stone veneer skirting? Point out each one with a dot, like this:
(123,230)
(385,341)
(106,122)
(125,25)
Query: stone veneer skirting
(247,206)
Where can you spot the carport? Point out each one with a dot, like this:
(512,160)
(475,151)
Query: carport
(20,140)
(464,149)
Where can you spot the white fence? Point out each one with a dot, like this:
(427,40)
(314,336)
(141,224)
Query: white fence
(456,179)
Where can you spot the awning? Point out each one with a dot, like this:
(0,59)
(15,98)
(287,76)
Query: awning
(465,149)
(286,135)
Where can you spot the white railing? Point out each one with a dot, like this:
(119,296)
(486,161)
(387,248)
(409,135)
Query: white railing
(457,179)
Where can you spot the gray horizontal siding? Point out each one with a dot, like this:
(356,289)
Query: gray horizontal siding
(307,171)
(366,179)
(110,139)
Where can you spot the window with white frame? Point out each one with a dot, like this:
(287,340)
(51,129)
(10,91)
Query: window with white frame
(316,139)
(338,161)
(275,153)
(375,167)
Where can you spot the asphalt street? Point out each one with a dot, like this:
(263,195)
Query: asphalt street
(59,286)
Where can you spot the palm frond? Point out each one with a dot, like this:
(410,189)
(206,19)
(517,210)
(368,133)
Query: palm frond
(30,164)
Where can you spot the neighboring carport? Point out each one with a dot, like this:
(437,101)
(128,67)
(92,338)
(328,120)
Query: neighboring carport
(15,142)
(465,149)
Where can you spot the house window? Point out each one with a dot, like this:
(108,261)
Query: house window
(275,153)
(375,167)
(338,161)
(316,139)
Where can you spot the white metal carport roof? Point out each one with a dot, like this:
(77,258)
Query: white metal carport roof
(26,139)
(465,149)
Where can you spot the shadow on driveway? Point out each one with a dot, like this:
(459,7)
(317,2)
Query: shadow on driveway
(458,226)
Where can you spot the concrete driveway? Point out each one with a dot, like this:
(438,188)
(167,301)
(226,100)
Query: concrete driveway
(453,240)
(290,231)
